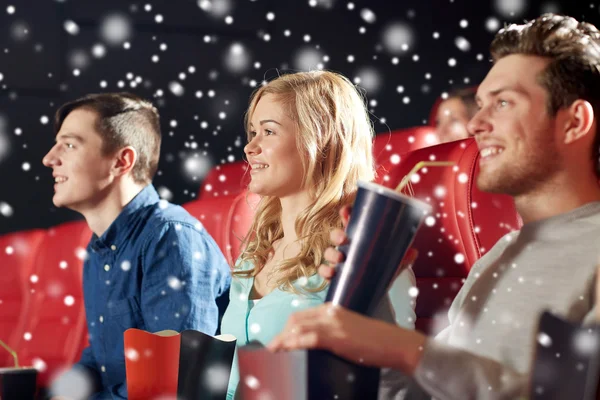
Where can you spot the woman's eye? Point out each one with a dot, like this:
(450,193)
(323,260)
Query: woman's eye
(268,132)
(69,146)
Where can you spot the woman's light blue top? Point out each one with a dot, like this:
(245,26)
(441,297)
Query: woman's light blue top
(263,320)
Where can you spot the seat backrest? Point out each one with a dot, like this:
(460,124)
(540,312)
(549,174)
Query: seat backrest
(17,255)
(227,218)
(388,146)
(464,223)
(225,179)
(54,328)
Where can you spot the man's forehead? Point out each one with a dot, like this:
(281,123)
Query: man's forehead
(79,118)
(492,82)
(516,74)
(80,124)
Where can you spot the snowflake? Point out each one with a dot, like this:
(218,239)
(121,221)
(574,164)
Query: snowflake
(132,354)
(69,300)
(216,378)
(252,382)
(174,283)
(544,339)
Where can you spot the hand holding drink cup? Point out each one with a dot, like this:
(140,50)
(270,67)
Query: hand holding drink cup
(332,256)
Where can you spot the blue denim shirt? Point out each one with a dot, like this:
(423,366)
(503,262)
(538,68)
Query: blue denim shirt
(155,268)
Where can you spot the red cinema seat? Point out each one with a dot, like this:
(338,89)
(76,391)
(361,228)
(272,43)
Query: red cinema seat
(54,329)
(464,223)
(388,147)
(226,218)
(17,254)
(225,179)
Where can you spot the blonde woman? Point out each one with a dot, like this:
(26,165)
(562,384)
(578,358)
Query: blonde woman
(309,142)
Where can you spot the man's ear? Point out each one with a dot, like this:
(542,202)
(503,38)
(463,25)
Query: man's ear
(125,159)
(580,120)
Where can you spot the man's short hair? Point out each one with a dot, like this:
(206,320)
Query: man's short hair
(573,73)
(124,119)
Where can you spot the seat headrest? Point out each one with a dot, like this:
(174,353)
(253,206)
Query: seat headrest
(387,146)
(465,222)
(225,179)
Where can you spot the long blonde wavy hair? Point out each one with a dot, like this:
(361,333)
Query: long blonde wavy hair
(335,138)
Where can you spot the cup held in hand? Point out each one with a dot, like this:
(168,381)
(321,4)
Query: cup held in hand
(18,383)
(382,227)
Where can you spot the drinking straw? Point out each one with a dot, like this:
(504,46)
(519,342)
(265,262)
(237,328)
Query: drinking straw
(420,165)
(12,353)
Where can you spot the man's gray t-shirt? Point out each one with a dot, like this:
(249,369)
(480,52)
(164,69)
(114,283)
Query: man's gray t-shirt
(487,350)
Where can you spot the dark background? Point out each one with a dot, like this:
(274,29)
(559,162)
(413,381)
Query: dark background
(205,67)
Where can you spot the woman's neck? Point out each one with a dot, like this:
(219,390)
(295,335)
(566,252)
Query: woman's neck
(291,208)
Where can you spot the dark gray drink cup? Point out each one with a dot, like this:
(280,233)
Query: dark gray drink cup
(18,383)
(382,226)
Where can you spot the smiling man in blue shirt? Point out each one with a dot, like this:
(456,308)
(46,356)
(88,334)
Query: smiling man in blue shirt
(150,265)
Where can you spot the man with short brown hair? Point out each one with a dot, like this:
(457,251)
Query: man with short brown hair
(150,265)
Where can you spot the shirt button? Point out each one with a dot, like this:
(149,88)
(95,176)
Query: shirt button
(101,319)
(106,267)
(113,247)
(103,368)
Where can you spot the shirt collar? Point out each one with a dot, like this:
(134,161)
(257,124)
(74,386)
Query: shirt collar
(116,232)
